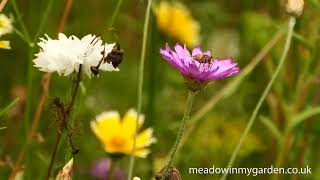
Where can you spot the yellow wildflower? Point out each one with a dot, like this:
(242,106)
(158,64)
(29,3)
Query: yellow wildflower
(5,25)
(116,135)
(176,20)
(5,45)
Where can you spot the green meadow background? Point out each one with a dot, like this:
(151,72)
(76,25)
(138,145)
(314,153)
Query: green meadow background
(238,29)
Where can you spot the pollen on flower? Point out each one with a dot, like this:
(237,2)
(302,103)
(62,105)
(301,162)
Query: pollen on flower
(117,141)
(176,20)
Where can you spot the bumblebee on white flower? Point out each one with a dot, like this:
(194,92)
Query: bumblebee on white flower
(65,54)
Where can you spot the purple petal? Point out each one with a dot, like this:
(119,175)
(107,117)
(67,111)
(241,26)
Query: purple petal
(186,51)
(208,53)
(224,65)
(196,51)
(180,51)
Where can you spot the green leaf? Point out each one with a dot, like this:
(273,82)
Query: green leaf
(271,127)
(7,108)
(302,117)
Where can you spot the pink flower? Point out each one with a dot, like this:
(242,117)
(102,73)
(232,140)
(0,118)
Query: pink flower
(199,67)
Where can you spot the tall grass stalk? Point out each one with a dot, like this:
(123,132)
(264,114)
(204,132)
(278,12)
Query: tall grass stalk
(140,86)
(254,114)
(25,36)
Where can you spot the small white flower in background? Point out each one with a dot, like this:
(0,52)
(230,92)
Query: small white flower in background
(5,25)
(5,28)
(66,172)
(136,178)
(65,54)
(5,45)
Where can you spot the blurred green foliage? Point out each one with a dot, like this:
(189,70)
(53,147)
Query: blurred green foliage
(252,24)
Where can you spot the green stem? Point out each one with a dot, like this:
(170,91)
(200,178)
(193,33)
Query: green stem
(43,20)
(110,174)
(19,20)
(66,116)
(183,126)
(140,86)
(265,93)
(116,12)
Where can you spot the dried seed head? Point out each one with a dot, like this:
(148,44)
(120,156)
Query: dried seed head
(174,174)
(295,7)
(66,172)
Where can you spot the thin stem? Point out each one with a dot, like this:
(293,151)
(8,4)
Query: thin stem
(265,93)
(65,15)
(183,126)
(140,86)
(54,155)
(116,12)
(19,19)
(65,117)
(29,90)
(3,4)
(43,20)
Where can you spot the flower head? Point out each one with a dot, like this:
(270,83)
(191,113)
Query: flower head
(5,45)
(116,135)
(5,28)
(5,25)
(66,54)
(176,20)
(200,67)
(295,7)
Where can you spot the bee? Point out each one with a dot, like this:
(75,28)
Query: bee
(114,57)
(203,58)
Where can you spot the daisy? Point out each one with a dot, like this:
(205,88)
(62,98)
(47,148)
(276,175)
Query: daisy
(116,135)
(198,67)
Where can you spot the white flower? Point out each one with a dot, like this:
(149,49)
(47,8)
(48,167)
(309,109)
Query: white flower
(5,25)
(136,178)
(65,54)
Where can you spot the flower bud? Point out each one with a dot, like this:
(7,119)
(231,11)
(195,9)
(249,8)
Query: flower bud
(174,174)
(295,7)
(66,172)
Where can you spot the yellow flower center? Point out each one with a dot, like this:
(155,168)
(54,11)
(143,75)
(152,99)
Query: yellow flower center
(117,141)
